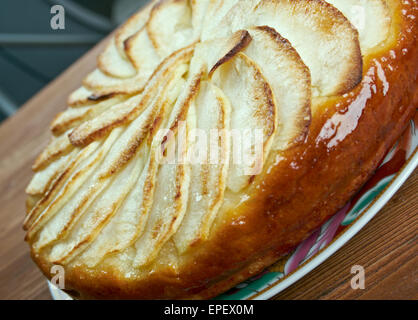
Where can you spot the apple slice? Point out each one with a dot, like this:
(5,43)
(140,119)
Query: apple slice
(216,13)
(67,184)
(253,119)
(103,85)
(134,24)
(85,186)
(115,116)
(166,80)
(128,222)
(141,52)
(173,179)
(143,56)
(371,18)
(170,26)
(80,97)
(199,12)
(113,64)
(110,163)
(119,165)
(322,35)
(113,61)
(136,209)
(43,179)
(209,169)
(73,117)
(290,81)
(57,147)
(96,216)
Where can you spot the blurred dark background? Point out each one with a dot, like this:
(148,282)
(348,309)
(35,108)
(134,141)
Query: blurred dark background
(32,53)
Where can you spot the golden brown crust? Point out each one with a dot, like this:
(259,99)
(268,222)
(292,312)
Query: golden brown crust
(325,171)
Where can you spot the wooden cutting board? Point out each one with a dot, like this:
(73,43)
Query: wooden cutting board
(386,247)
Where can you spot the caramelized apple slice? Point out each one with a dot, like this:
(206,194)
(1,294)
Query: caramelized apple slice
(97,216)
(253,119)
(99,127)
(323,37)
(371,18)
(209,166)
(104,85)
(132,26)
(80,97)
(128,222)
(168,208)
(113,61)
(57,147)
(147,61)
(166,80)
(290,81)
(113,64)
(67,184)
(136,208)
(109,163)
(118,166)
(141,52)
(173,179)
(73,117)
(43,179)
(84,186)
(216,13)
(170,26)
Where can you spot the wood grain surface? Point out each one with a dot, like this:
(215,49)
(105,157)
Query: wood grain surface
(386,247)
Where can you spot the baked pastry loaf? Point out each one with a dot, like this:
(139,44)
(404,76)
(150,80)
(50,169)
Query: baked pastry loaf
(308,95)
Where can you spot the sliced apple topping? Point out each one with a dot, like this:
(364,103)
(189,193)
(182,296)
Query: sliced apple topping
(100,126)
(211,149)
(107,165)
(65,186)
(323,37)
(164,81)
(216,13)
(97,215)
(57,147)
(290,81)
(173,177)
(132,26)
(141,52)
(43,179)
(370,17)
(73,117)
(113,64)
(199,12)
(80,97)
(169,26)
(128,222)
(102,84)
(84,186)
(114,61)
(135,208)
(253,117)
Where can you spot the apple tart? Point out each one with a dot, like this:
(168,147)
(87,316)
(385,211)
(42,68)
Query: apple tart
(295,103)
